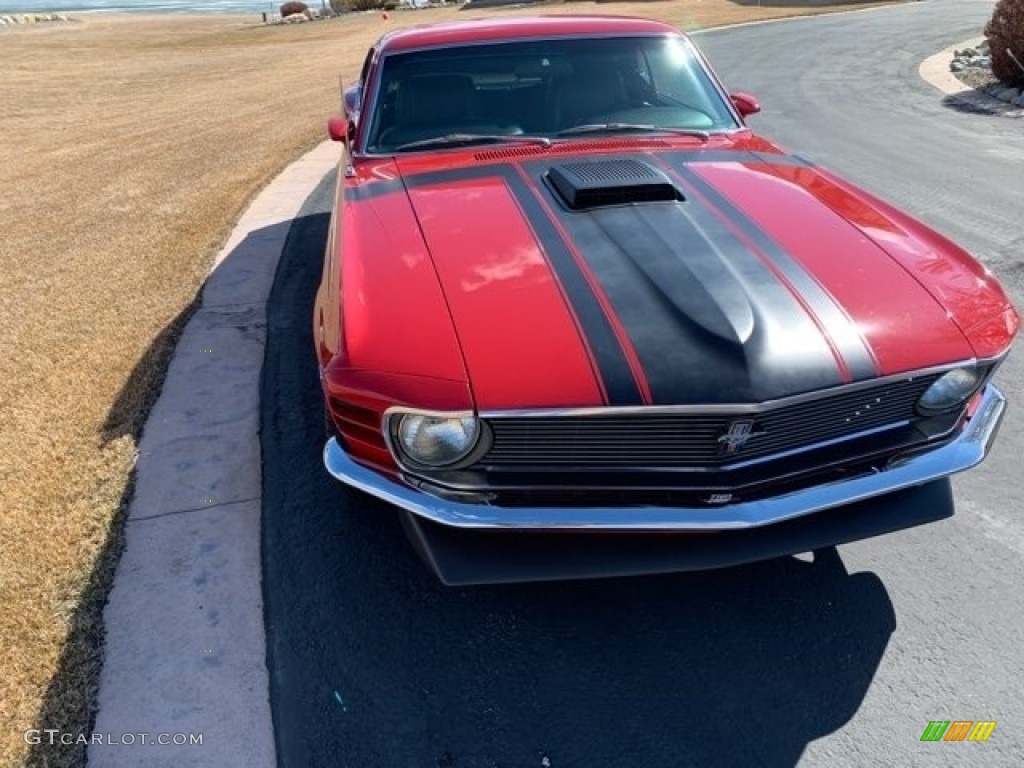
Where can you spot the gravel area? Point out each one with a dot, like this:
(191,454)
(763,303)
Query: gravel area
(980,79)
(972,66)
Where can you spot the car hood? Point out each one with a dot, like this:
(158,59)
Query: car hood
(757,277)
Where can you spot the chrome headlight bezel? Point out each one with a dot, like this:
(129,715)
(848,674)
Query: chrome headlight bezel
(952,389)
(405,426)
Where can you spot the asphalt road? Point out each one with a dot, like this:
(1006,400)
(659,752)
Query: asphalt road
(841,662)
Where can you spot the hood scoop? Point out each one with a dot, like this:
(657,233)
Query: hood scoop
(600,183)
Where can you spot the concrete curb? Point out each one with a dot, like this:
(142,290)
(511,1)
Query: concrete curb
(185,643)
(935,69)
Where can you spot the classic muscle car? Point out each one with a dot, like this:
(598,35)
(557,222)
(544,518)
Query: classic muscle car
(568,293)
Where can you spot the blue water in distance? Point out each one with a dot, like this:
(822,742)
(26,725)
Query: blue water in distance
(144,6)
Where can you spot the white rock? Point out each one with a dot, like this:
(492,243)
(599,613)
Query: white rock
(957,66)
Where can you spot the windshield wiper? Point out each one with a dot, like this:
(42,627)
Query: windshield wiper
(610,127)
(471,138)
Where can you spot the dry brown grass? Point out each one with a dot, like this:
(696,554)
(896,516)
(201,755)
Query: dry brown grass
(130,146)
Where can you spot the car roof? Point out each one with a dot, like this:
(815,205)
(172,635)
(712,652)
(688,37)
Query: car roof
(520,27)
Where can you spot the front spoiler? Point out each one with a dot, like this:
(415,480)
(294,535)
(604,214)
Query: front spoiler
(965,451)
(461,557)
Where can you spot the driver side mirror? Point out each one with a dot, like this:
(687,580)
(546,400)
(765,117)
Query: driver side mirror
(745,104)
(353,100)
(337,128)
(343,127)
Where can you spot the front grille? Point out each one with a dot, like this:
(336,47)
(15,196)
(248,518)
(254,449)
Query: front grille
(700,440)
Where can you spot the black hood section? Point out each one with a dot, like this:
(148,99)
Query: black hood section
(692,285)
(709,322)
(597,183)
(681,299)
(708,319)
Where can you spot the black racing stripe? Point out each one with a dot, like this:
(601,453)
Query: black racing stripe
(709,321)
(733,156)
(617,377)
(378,187)
(843,331)
(373,189)
(619,382)
(449,175)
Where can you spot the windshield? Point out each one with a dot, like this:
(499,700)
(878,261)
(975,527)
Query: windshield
(556,89)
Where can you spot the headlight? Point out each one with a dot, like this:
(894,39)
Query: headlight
(950,390)
(437,441)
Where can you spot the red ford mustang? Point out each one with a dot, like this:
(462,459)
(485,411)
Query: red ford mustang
(568,291)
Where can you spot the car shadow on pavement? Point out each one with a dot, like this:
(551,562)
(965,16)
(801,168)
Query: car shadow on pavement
(373,662)
(977,102)
(68,706)
(127,415)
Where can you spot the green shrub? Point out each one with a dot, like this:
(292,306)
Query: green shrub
(1005,32)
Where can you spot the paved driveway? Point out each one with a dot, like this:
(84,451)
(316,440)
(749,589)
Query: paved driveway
(840,662)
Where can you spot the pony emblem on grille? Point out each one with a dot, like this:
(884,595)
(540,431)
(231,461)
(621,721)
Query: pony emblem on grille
(737,436)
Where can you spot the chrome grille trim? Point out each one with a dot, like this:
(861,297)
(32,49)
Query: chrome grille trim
(736,409)
(966,450)
(691,440)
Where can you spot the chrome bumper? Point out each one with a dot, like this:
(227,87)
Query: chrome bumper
(967,450)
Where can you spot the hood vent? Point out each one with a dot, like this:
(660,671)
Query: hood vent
(575,146)
(610,182)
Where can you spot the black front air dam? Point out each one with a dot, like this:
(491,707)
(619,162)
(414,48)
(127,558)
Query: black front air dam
(467,556)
